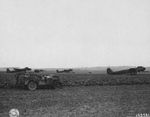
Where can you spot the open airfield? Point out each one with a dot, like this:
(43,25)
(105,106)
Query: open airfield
(82,95)
(81,101)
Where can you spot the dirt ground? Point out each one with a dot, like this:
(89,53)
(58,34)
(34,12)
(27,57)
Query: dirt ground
(82,101)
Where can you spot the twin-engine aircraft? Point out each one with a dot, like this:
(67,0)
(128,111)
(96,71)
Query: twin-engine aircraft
(64,71)
(131,71)
(18,70)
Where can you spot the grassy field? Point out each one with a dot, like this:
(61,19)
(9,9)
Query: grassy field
(103,79)
(83,95)
(81,101)
(88,79)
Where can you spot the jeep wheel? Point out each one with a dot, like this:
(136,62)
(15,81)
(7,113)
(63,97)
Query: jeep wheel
(32,85)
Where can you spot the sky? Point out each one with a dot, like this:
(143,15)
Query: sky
(74,33)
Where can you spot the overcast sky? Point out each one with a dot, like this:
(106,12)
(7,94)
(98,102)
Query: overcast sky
(74,33)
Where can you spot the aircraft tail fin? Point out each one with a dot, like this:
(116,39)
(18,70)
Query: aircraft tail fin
(109,71)
(7,70)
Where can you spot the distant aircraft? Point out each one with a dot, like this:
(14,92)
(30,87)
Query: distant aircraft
(131,71)
(18,70)
(64,71)
(141,69)
(38,70)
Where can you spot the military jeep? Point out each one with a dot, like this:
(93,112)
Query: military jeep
(32,80)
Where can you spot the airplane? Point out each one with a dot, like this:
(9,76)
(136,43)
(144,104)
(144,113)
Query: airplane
(141,69)
(18,70)
(64,71)
(131,71)
(38,70)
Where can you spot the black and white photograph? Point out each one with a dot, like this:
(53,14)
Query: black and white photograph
(74,58)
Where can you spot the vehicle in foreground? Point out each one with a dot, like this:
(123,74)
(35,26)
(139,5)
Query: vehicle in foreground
(32,80)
